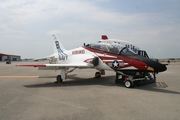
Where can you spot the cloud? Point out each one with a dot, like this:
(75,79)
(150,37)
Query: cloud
(22,12)
(79,21)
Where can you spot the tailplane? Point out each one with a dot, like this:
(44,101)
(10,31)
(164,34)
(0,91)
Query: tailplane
(58,50)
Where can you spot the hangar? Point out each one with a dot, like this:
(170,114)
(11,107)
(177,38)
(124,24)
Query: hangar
(4,57)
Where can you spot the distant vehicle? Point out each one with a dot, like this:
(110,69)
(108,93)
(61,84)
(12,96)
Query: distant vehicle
(8,61)
(36,60)
(102,56)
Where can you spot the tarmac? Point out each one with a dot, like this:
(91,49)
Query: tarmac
(29,94)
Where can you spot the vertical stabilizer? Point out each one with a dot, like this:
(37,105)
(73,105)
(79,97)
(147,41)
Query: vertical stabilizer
(58,47)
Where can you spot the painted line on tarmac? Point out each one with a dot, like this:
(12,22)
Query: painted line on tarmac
(19,76)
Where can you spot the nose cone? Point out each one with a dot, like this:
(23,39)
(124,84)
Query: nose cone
(158,67)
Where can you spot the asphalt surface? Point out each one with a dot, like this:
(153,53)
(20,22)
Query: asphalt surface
(29,94)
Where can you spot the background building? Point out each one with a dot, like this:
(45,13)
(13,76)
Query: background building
(4,57)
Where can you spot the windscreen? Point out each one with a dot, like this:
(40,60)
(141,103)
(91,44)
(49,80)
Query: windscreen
(126,52)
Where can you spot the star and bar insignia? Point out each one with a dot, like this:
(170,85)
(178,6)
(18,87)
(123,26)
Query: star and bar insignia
(115,64)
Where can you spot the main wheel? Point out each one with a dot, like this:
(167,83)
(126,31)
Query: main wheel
(97,75)
(128,84)
(58,78)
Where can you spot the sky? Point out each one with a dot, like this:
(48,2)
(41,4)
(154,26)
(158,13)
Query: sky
(26,26)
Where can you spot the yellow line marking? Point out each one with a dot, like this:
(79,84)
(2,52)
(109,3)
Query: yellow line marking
(19,76)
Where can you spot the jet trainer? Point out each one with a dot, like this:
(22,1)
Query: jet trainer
(122,57)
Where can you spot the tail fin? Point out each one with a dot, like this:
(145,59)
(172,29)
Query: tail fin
(58,47)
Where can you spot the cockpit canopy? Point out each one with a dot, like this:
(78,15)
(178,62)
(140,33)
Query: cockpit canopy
(111,48)
(106,47)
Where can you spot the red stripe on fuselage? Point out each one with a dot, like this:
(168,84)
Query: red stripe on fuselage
(131,62)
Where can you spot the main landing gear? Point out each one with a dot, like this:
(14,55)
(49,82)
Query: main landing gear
(64,72)
(59,79)
(63,75)
(98,74)
(138,79)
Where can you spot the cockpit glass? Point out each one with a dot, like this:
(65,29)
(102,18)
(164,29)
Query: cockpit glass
(112,48)
(107,47)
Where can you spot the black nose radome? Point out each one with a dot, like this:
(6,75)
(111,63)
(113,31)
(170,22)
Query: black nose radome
(158,67)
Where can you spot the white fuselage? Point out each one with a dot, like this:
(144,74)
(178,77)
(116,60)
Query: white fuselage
(80,56)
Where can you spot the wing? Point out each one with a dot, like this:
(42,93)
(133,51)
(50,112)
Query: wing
(56,66)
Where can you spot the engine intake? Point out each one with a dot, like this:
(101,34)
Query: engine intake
(95,61)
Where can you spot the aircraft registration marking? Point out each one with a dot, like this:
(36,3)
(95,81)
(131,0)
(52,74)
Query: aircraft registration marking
(78,52)
(19,76)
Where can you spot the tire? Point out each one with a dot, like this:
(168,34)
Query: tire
(58,78)
(128,84)
(97,75)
